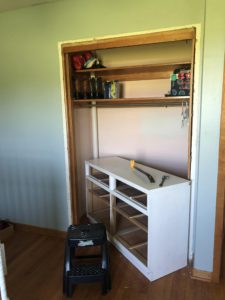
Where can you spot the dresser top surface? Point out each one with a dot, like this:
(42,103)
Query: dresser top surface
(120,168)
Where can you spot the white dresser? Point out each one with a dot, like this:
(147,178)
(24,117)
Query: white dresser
(146,222)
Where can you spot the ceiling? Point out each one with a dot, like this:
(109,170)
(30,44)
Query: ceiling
(16,4)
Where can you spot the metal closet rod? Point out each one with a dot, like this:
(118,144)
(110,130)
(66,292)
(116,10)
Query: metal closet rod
(160,104)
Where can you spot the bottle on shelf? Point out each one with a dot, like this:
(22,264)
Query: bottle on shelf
(86,89)
(92,85)
(77,91)
(99,88)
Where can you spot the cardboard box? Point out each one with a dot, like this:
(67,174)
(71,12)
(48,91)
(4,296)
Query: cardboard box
(6,233)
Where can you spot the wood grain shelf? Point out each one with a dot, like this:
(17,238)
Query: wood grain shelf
(148,100)
(136,68)
(133,216)
(99,192)
(135,72)
(136,242)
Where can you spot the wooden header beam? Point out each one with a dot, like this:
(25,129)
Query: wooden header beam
(133,40)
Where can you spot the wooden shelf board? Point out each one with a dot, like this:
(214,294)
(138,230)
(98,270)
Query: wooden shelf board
(126,214)
(138,245)
(104,198)
(140,252)
(136,68)
(132,73)
(153,100)
(99,192)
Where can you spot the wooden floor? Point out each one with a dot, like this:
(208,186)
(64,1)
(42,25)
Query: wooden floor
(35,265)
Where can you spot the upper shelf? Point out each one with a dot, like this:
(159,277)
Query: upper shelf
(136,72)
(136,68)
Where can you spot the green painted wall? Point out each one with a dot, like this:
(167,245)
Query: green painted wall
(32,176)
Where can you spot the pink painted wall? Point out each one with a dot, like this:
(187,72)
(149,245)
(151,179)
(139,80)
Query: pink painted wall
(153,136)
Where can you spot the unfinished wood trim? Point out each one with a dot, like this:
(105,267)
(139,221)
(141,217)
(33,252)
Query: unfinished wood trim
(201,275)
(138,197)
(40,230)
(89,196)
(121,232)
(138,245)
(139,99)
(219,220)
(132,40)
(105,43)
(137,216)
(112,215)
(70,138)
(191,107)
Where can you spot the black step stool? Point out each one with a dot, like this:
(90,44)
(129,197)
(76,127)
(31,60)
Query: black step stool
(76,268)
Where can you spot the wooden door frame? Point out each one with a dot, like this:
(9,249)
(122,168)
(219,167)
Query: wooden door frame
(219,220)
(66,48)
(152,37)
(179,34)
(69,138)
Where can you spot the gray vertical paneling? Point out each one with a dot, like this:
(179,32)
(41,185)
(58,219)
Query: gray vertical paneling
(30,192)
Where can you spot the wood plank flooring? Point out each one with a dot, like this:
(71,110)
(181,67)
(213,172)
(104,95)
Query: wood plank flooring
(35,265)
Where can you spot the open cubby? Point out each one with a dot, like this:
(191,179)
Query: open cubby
(132,214)
(99,176)
(99,205)
(132,193)
(135,240)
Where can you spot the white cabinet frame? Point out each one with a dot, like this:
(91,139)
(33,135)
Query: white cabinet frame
(167,212)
